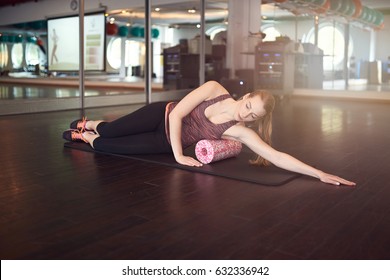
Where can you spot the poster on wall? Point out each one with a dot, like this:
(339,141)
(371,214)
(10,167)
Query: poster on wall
(63,43)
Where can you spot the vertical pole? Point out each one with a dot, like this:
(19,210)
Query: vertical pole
(296,29)
(316,19)
(230,49)
(333,53)
(122,71)
(372,53)
(148,44)
(81,55)
(346,55)
(202,52)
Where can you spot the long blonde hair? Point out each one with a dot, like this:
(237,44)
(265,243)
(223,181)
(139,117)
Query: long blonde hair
(263,126)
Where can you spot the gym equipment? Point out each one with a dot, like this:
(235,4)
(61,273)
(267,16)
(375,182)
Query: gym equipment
(208,151)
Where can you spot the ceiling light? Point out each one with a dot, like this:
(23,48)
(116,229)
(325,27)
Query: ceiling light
(192,11)
(157,9)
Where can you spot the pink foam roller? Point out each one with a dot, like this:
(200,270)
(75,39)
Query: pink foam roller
(208,151)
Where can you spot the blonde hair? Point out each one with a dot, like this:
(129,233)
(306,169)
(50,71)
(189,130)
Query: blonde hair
(263,126)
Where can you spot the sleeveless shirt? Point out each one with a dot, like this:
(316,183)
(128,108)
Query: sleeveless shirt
(196,126)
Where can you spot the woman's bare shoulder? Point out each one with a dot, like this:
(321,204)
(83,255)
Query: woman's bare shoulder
(216,89)
(207,91)
(236,131)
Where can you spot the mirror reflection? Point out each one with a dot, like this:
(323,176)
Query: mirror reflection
(285,46)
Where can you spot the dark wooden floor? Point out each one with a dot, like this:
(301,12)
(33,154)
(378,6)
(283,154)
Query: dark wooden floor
(59,203)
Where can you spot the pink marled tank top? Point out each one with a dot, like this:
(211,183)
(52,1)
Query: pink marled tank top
(196,126)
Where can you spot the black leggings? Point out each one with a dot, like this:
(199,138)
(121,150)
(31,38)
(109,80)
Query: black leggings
(140,132)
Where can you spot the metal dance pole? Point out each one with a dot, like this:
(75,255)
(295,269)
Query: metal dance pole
(148,62)
(202,52)
(346,55)
(81,54)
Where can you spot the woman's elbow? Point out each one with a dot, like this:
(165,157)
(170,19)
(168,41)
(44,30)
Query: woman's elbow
(174,117)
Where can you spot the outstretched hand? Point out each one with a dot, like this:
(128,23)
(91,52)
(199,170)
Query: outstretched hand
(335,180)
(185,160)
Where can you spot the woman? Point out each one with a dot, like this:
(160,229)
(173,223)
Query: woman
(54,38)
(208,112)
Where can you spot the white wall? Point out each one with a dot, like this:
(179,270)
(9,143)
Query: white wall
(184,33)
(382,41)
(361,43)
(359,36)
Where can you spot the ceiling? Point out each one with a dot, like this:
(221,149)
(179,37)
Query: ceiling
(375,4)
(216,10)
(177,12)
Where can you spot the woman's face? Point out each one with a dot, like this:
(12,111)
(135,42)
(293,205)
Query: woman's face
(250,109)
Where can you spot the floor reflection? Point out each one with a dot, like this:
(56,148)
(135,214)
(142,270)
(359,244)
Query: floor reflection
(331,120)
(355,85)
(11,92)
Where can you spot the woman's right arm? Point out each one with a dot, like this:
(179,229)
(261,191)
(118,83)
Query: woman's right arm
(206,91)
(280,159)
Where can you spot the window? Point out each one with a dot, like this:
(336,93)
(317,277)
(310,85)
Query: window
(271,33)
(213,31)
(114,53)
(17,55)
(134,51)
(3,55)
(331,41)
(32,54)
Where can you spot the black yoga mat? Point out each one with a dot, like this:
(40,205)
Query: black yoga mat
(237,168)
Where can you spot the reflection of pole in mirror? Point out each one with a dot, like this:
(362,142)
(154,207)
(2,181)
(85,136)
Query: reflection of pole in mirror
(388,65)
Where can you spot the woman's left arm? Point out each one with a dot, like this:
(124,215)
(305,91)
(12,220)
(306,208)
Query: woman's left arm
(280,159)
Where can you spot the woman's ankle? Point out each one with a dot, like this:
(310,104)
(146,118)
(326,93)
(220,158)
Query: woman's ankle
(92,125)
(88,125)
(89,136)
